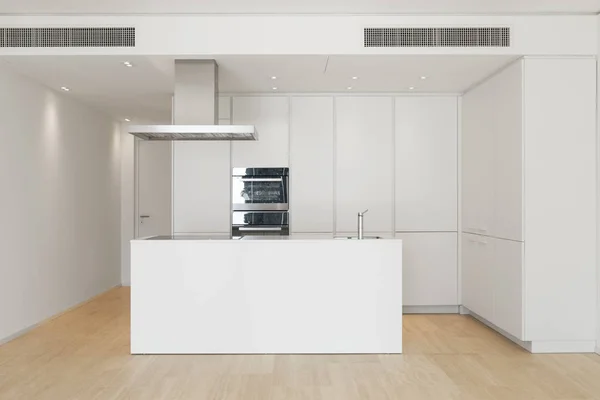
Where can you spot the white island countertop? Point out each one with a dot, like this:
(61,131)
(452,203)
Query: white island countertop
(277,294)
(305,237)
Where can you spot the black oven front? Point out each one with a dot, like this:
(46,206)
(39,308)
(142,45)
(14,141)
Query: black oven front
(260,189)
(260,223)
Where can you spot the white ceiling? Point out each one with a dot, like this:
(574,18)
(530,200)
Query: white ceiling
(144,91)
(296,6)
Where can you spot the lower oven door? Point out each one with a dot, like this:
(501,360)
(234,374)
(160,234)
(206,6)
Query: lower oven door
(260,223)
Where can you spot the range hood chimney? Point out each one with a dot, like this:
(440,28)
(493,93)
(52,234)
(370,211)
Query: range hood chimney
(195,108)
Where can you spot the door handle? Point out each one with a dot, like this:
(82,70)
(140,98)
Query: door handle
(243,228)
(262,179)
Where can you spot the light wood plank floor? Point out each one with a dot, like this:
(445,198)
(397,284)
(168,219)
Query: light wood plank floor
(84,354)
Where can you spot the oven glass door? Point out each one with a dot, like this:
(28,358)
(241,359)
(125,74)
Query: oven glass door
(260,189)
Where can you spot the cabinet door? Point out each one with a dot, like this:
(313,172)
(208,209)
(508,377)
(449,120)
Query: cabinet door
(311,161)
(477,279)
(201,187)
(270,115)
(508,159)
(477,162)
(364,163)
(429,269)
(426,163)
(508,286)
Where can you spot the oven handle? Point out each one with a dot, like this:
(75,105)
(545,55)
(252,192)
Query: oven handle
(262,179)
(243,228)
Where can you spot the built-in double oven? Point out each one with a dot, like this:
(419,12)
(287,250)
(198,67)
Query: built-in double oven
(260,202)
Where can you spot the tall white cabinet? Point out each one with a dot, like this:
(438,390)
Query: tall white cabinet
(311,164)
(426,198)
(426,164)
(529,212)
(201,175)
(270,115)
(364,163)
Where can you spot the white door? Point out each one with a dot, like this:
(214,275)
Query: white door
(154,188)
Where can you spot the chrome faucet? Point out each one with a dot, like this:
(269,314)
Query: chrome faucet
(360,224)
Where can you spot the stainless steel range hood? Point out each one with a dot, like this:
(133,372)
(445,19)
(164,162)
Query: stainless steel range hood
(195,108)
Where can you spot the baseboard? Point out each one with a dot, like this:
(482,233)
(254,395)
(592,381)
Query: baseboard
(540,347)
(31,327)
(578,346)
(430,310)
(516,340)
(462,310)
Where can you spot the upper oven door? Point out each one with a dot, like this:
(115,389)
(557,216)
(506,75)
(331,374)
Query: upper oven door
(260,189)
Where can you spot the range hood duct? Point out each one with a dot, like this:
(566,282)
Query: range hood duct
(195,108)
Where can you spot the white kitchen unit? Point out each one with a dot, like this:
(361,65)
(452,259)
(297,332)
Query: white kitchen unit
(284,295)
(364,163)
(200,181)
(492,154)
(270,116)
(492,281)
(426,151)
(201,187)
(529,203)
(311,164)
(430,265)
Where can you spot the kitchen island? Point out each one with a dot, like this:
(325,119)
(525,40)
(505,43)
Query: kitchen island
(287,294)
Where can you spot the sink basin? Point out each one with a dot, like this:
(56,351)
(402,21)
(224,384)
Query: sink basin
(356,237)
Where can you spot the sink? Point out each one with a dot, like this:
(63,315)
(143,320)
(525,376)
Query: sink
(356,237)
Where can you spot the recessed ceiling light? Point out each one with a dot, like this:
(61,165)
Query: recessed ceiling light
(64,88)
(349,88)
(273,77)
(423,77)
(355,77)
(128,64)
(411,88)
(127,120)
(274,87)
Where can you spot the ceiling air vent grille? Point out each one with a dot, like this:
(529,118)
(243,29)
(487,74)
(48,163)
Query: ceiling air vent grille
(67,37)
(437,37)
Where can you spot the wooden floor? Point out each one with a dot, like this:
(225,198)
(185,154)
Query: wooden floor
(84,354)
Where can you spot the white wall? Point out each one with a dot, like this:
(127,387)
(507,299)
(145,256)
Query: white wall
(59,208)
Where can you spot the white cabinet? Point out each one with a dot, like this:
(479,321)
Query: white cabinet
(507,121)
(531,196)
(429,269)
(477,275)
(492,282)
(224,110)
(508,288)
(311,162)
(426,163)
(364,162)
(492,157)
(201,187)
(477,165)
(270,115)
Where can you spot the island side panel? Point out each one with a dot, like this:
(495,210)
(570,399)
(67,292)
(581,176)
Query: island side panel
(215,297)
